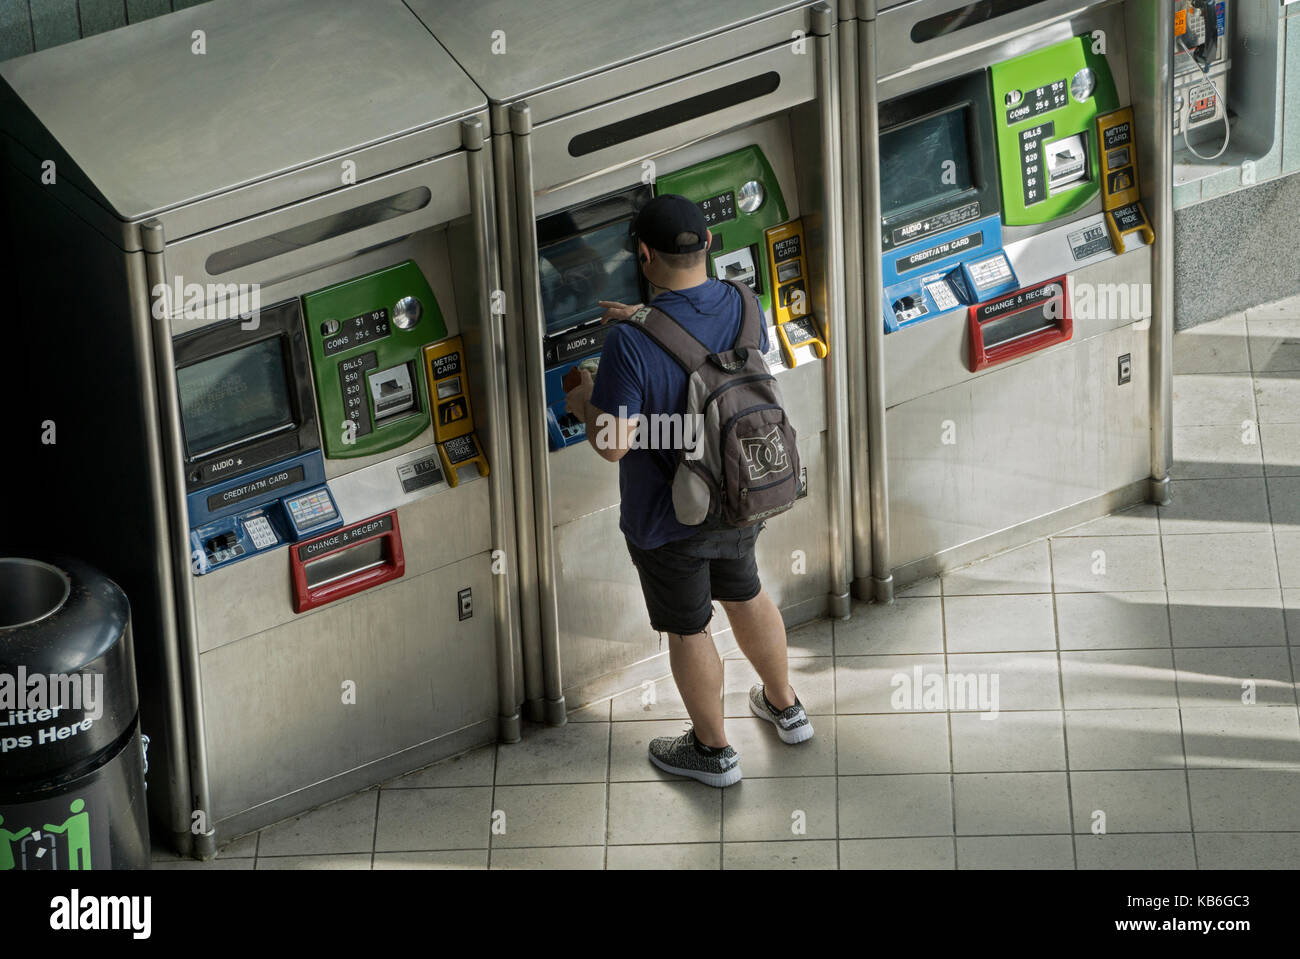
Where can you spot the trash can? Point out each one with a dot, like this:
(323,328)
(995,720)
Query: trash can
(72,791)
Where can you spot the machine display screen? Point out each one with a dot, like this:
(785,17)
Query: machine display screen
(231,398)
(924,162)
(577,271)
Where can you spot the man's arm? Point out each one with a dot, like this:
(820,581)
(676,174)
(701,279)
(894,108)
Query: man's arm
(608,435)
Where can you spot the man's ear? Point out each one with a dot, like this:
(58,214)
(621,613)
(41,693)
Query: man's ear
(643,252)
(708,240)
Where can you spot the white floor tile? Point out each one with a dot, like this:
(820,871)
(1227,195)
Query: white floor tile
(984,624)
(805,854)
(1119,679)
(1220,561)
(903,743)
(1024,570)
(564,815)
(925,853)
(1011,742)
(1107,564)
(1008,804)
(895,806)
(775,810)
(1216,506)
(1128,620)
(905,626)
(1124,738)
(1130,801)
(1015,852)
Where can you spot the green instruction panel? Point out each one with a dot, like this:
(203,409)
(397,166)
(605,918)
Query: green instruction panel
(366,335)
(1046,106)
(741,198)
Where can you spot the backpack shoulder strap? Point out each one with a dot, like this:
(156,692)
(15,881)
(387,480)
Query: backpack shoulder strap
(673,338)
(751,320)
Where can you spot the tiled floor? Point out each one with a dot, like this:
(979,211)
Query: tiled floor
(1145,668)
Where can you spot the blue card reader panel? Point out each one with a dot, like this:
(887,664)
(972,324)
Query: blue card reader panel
(578,347)
(260,511)
(945,272)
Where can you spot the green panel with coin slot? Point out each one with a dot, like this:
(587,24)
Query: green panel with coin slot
(365,351)
(710,184)
(1041,102)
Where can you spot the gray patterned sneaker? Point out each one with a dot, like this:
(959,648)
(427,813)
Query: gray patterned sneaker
(680,755)
(791,724)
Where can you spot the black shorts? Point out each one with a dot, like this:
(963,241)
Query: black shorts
(681,579)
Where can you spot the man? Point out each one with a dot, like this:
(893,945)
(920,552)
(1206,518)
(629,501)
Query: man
(684,568)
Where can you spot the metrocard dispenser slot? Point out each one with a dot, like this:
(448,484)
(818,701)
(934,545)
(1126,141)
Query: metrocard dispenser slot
(1025,322)
(1121,193)
(453,420)
(346,561)
(796,327)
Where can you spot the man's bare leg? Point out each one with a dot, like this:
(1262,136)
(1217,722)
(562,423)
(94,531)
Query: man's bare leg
(760,634)
(697,670)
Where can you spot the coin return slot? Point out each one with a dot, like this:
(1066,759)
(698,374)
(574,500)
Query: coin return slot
(348,562)
(392,390)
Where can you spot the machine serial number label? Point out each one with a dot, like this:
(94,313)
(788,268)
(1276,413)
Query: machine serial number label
(1040,101)
(942,251)
(233,495)
(357,330)
(416,476)
(343,537)
(1089,242)
(920,229)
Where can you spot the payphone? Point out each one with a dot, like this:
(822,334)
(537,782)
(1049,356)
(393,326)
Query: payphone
(1201,64)
(309,486)
(731,104)
(1015,218)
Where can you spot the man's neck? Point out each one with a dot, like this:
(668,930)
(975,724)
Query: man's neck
(684,280)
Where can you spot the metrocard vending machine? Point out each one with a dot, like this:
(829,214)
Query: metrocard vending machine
(305,417)
(1016,277)
(744,125)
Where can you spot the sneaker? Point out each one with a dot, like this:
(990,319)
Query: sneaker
(678,755)
(791,724)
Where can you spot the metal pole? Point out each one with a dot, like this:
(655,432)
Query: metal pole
(528,681)
(493,349)
(1162,255)
(177,521)
(521,125)
(837,380)
(854,304)
(177,788)
(869,153)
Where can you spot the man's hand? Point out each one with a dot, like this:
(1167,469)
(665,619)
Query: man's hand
(576,400)
(616,311)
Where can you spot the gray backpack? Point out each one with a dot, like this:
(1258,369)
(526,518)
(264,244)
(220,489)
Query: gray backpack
(739,463)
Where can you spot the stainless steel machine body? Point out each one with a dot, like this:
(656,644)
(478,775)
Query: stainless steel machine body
(591,101)
(951,464)
(252,146)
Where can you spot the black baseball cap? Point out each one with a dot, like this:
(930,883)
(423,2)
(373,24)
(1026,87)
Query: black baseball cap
(664,219)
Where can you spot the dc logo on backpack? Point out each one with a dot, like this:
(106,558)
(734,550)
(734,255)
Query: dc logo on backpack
(765,454)
(744,467)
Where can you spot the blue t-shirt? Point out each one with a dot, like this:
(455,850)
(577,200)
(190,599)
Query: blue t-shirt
(636,377)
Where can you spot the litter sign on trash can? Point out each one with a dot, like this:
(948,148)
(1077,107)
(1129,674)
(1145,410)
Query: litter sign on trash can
(72,793)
